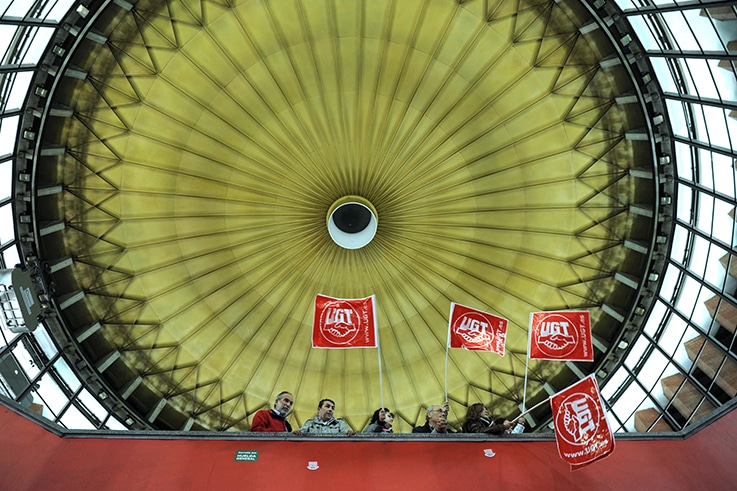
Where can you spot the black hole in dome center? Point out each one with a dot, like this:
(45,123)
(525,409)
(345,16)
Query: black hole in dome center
(351,218)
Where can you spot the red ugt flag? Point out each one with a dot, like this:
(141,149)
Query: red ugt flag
(581,429)
(473,329)
(344,323)
(561,336)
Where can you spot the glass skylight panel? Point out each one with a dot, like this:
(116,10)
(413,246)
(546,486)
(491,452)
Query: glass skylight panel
(626,4)
(51,394)
(15,8)
(716,171)
(74,419)
(657,394)
(684,161)
(615,383)
(56,10)
(715,273)
(67,375)
(653,370)
(666,3)
(704,212)
(644,32)
(672,336)
(701,315)
(44,341)
(690,290)
(7,32)
(34,398)
(19,90)
(39,42)
(92,404)
(730,282)
(671,280)
(723,222)
(683,38)
(724,79)
(699,79)
(112,423)
(6,168)
(4,390)
(731,123)
(702,30)
(684,210)
(6,337)
(8,132)
(656,316)
(681,355)
(629,402)
(614,422)
(6,223)
(725,172)
(10,254)
(677,116)
(699,256)
(630,423)
(715,126)
(638,351)
(25,360)
(652,399)
(664,75)
(699,123)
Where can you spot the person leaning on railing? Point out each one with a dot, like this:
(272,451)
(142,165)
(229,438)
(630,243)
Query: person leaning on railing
(324,423)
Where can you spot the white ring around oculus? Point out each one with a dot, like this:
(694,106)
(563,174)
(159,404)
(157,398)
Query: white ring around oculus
(352,222)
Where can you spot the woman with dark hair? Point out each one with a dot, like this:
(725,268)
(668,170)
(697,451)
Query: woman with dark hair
(381,422)
(478,420)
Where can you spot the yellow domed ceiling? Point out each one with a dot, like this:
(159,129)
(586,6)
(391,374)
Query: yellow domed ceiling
(209,139)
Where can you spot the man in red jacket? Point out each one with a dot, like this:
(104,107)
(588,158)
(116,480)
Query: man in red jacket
(275,420)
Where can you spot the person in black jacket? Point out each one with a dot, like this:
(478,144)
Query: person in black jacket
(479,420)
(436,420)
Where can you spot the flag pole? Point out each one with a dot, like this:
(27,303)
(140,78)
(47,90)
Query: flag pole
(524,389)
(378,350)
(446,372)
(524,413)
(527,365)
(381,383)
(447,348)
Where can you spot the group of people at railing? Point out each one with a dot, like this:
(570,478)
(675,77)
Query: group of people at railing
(478,420)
